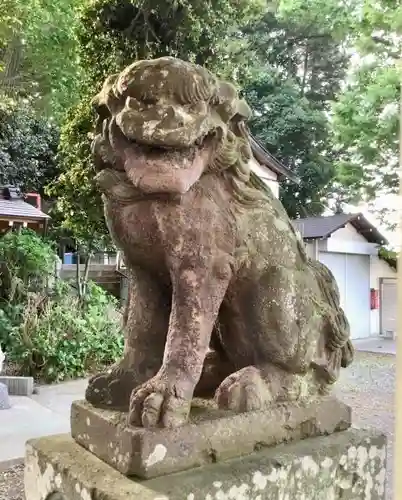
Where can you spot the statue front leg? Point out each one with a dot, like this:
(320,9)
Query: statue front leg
(145,321)
(198,292)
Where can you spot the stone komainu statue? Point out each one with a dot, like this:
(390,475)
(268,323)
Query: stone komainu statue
(222,298)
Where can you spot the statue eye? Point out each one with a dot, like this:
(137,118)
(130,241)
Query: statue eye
(103,111)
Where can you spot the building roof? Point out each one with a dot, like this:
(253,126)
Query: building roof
(312,228)
(265,158)
(20,209)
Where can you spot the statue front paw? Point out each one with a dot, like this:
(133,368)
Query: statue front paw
(111,389)
(159,403)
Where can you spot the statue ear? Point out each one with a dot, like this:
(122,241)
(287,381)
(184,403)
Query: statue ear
(244,110)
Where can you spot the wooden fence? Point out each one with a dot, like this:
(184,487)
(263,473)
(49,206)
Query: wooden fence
(104,275)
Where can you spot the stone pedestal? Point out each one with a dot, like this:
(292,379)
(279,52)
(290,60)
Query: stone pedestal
(211,436)
(348,465)
(291,452)
(4,398)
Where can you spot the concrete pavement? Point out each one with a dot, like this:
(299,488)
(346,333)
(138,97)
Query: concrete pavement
(376,345)
(58,397)
(43,414)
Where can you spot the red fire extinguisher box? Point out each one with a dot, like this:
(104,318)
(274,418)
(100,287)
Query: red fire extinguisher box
(374,299)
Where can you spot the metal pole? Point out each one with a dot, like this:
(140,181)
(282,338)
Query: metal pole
(397,480)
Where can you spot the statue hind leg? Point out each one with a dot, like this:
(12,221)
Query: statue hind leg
(259,387)
(295,354)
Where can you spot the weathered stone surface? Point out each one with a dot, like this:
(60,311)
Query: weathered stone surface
(214,261)
(211,435)
(4,399)
(349,465)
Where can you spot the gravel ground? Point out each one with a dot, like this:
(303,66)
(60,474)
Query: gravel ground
(12,483)
(367,386)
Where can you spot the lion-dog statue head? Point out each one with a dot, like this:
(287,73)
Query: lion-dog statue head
(168,108)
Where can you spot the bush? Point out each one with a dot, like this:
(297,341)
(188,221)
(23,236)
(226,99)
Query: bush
(48,332)
(10,319)
(62,337)
(27,262)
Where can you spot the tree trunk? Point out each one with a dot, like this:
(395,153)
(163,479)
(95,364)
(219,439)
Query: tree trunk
(86,273)
(305,69)
(78,276)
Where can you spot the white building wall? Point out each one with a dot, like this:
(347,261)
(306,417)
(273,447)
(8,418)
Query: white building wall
(314,247)
(348,240)
(378,269)
(348,233)
(269,177)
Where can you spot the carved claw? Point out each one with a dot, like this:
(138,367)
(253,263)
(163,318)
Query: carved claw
(158,403)
(243,391)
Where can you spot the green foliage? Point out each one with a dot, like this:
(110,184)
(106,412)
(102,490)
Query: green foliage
(27,262)
(298,66)
(366,125)
(65,338)
(296,133)
(38,52)
(114,33)
(46,330)
(389,256)
(28,147)
(303,41)
(378,28)
(366,114)
(11,314)
(315,46)
(78,209)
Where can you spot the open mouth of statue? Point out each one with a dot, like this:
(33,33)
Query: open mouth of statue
(157,168)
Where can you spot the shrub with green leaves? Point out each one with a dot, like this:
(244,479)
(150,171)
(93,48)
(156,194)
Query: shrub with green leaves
(49,332)
(63,337)
(27,261)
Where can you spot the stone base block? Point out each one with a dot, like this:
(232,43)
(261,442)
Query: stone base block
(4,399)
(211,435)
(18,386)
(348,465)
